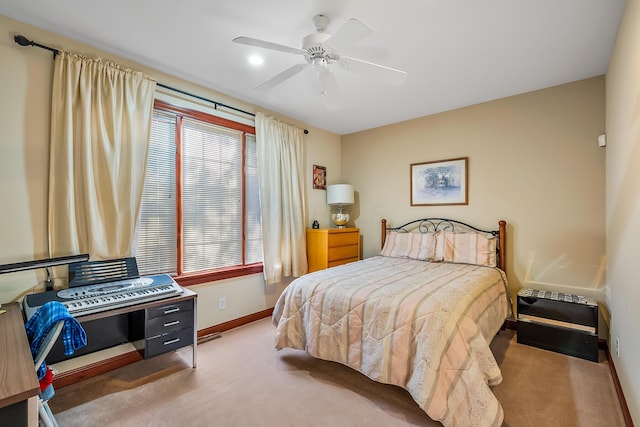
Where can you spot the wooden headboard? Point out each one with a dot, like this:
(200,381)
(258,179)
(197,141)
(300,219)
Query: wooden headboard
(431,225)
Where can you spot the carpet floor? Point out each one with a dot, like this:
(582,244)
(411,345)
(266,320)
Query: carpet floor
(241,380)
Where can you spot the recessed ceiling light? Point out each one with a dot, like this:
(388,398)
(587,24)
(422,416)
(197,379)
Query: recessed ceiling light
(256,60)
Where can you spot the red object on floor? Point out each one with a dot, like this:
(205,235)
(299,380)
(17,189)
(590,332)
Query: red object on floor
(46,380)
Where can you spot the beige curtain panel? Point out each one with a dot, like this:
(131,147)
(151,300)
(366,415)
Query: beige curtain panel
(100,124)
(280,157)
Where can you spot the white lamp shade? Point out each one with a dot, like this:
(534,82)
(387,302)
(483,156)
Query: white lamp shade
(340,194)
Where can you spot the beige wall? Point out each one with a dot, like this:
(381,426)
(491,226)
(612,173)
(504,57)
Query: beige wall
(623,203)
(25,90)
(534,161)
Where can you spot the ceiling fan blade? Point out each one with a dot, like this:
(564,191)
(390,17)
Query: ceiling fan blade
(267,45)
(279,78)
(350,33)
(391,75)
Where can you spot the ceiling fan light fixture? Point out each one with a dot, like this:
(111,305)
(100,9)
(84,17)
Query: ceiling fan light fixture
(319,63)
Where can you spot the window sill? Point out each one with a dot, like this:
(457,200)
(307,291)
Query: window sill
(213,275)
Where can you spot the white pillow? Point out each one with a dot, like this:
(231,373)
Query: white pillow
(409,245)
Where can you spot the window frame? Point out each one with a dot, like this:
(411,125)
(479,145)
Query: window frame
(188,279)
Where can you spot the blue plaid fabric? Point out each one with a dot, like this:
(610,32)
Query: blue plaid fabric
(73,335)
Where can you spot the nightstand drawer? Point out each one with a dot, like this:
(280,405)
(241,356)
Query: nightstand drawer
(342,252)
(343,239)
(342,261)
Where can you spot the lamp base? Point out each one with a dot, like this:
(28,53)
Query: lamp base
(340,219)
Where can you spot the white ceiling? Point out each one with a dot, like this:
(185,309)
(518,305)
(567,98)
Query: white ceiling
(456,52)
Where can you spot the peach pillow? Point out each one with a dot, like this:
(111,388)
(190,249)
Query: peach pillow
(409,245)
(468,248)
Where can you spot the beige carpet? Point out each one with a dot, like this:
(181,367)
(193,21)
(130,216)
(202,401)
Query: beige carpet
(241,380)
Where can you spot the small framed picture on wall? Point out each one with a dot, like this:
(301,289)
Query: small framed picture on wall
(319,177)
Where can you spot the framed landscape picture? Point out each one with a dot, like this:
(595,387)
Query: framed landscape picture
(442,182)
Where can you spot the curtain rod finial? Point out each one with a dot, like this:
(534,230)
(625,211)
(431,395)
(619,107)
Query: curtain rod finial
(22,40)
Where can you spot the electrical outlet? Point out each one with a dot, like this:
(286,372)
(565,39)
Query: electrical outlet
(222,303)
(618,347)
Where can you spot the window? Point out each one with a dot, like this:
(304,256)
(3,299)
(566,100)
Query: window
(200,214)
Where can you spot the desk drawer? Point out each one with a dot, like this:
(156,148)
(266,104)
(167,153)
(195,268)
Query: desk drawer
(169,309)
(169,323)
(168,342)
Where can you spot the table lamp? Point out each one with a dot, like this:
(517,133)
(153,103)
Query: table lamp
(340,195)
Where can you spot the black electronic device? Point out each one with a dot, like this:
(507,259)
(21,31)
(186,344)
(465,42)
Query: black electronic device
(560,322)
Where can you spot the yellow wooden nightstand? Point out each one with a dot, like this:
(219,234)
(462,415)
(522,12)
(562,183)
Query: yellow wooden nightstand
(328,247)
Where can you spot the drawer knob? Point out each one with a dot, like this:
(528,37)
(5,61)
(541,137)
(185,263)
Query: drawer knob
(172,310)
(175,322)
(173,341)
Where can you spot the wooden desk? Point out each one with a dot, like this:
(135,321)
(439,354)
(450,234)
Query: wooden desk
(159,326)
(19,387)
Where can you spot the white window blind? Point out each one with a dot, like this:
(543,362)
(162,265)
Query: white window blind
(253,220)
(156,249)
(211,196)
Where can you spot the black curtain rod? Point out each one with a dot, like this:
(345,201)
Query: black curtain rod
(23,41)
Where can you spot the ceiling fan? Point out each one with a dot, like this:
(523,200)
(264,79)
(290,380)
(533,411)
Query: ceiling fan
(319,50)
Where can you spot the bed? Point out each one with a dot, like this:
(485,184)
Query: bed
(420,315)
